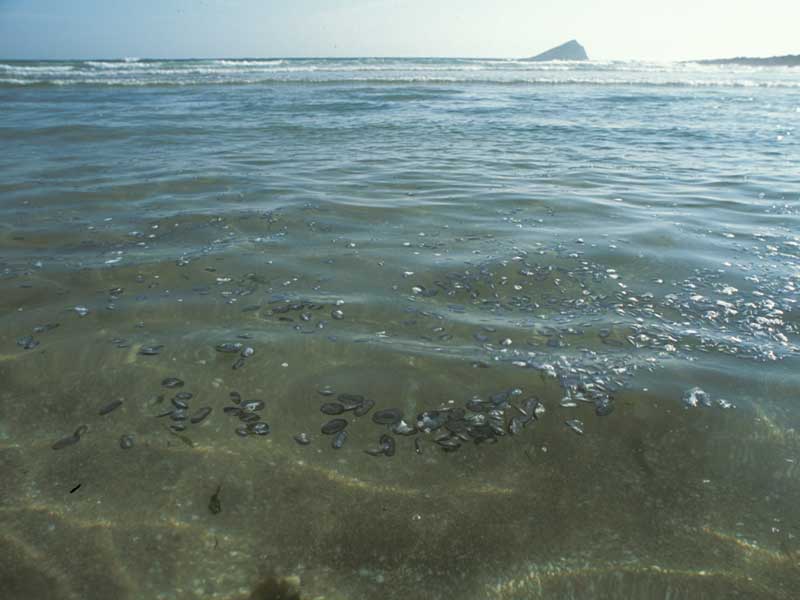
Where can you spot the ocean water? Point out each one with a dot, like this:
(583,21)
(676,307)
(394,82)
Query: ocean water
(533,265)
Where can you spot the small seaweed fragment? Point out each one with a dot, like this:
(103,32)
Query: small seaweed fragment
(214,505)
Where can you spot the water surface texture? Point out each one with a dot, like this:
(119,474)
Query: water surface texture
(567,293)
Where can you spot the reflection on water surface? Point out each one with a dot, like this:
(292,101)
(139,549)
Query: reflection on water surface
(364,340)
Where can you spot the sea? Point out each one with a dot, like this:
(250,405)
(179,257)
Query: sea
(391,328)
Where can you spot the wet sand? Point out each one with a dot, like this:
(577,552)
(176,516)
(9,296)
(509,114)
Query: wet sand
(654,501)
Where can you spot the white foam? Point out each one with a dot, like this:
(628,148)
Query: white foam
(36,69)
(132,72)
(249,63)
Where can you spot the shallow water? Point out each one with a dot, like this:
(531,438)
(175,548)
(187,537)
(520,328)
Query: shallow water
(605,235)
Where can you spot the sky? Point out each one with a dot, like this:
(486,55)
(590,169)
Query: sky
(610,29)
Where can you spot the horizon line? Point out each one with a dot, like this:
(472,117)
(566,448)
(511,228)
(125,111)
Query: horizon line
(386,56)
(353,57)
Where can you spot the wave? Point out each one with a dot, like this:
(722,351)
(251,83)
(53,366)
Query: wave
(162,72)
(357,65)
(36,69)
(125,65)
(248,63)
(133,82)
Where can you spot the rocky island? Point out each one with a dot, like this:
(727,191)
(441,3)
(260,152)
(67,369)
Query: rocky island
(571,50)
(788,60)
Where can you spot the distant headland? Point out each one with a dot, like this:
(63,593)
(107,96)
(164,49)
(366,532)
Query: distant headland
(571,50)
(789,60)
